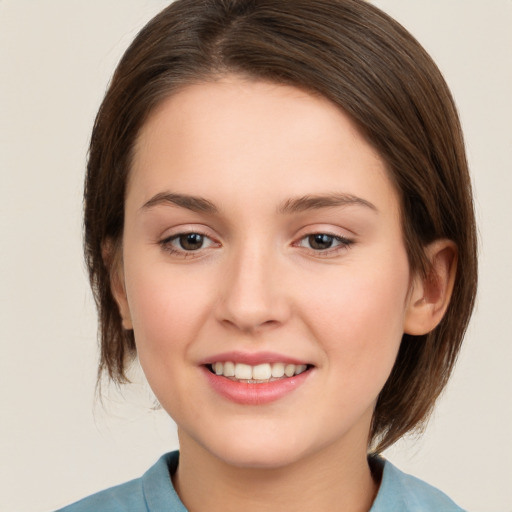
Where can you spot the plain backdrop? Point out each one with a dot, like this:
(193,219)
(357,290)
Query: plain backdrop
(57,443)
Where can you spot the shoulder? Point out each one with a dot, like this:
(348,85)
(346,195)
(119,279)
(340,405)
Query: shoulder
(400,492)
(121,498)
(152,492)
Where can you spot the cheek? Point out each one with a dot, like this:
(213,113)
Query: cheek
(360,320)
(167,308)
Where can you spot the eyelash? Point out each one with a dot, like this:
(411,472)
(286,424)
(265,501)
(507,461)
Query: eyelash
(343,244)
(167,244)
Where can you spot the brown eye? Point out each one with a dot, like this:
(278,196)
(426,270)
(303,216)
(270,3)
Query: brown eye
(191,241)
(188,244)
(324,244)
(320,241)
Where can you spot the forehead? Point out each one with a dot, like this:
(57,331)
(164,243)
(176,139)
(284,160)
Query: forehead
(243,136)
(259,107)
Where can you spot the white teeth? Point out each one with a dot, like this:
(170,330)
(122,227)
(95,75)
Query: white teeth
(277,370)
(218,368)
(289,370)
(243,371)
(260,372)
(300,368)
(229,369)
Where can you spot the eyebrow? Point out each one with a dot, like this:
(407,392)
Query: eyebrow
(196,204)
(315,202)
(293,205)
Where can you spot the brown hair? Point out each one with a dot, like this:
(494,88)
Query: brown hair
(363,61)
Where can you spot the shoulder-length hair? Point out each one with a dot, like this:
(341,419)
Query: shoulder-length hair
(361,60)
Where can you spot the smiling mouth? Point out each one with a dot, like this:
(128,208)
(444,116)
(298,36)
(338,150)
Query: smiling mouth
(257,374)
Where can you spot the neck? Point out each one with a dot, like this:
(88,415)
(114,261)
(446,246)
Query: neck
(332,479)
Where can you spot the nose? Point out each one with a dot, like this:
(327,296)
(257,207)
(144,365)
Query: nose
(252,296)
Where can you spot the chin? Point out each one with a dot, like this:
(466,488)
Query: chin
(258,451)
(257,457)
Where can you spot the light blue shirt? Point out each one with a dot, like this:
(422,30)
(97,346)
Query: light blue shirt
(154,492)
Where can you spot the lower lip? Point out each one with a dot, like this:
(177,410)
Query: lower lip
(254,394)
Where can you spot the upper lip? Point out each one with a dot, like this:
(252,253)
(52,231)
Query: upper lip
(252,359)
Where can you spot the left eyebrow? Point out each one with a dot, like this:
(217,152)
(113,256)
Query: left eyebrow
(315,202)
(194,203)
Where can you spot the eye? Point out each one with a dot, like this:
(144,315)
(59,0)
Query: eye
(324,242)
(187,242)
(190,241)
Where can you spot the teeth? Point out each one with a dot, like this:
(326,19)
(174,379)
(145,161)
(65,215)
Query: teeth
(243,371)
(277,370)
(229,369)
(260,372)
(289,370)
(300,369)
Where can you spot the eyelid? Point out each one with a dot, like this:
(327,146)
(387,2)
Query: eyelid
(345,242)
(341,239)
(183,229)
(165,242)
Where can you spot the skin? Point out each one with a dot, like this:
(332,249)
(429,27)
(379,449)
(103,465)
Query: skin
(257,284)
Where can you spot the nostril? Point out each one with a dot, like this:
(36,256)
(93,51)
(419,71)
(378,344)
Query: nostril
(247,326)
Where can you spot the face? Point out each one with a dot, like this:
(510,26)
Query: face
(262,235)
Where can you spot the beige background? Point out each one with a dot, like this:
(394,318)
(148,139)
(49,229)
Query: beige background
(57,444)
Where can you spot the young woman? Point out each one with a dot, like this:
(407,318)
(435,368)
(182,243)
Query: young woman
(279,226)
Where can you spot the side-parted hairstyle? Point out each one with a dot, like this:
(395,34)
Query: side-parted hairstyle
(364,62)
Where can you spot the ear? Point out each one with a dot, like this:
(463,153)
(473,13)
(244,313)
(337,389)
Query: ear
(113,260)
(429,296)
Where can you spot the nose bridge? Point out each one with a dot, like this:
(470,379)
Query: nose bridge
(251,298)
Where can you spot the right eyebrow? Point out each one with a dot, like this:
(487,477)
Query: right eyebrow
(316,202)
(194,203)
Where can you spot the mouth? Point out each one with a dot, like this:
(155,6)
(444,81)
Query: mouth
(256,379)
(257,374)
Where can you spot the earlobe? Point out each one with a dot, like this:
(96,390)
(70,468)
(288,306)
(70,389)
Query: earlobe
(112,258)
(430,295)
